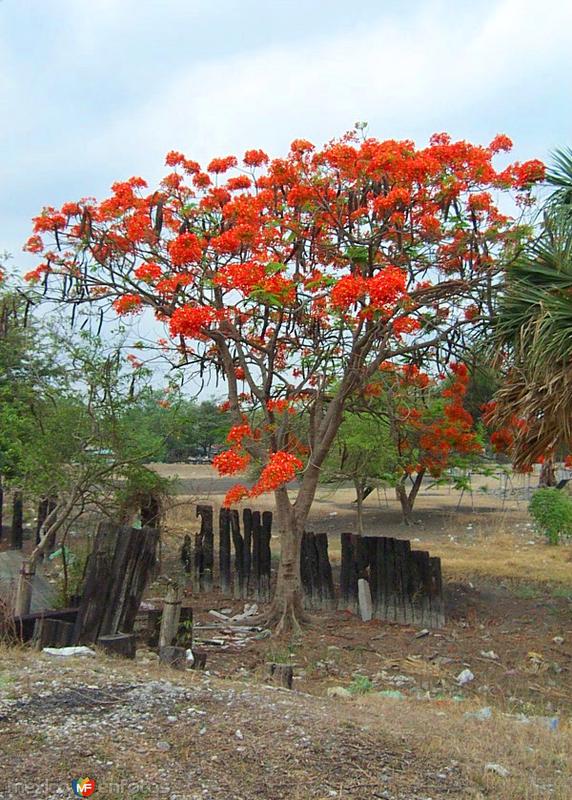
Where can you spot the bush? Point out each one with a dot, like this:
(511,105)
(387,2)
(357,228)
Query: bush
(360,685)
(551,510)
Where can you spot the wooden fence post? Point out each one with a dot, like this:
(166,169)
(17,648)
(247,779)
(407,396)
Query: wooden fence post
(309,570)
(266,556)
(437,603)
(150,512)
(116,574)
(224,550)
(24,593)
(238,554)
(171,616)
(246,550)
(204,550)
(256,543)
(326,579)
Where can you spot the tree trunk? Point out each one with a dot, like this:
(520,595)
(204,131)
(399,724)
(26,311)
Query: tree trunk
(415,488)
(547,474)
(52,525)
(287,610)
(403,497)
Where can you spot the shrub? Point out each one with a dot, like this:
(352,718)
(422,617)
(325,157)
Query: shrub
(551,510)
(360,685)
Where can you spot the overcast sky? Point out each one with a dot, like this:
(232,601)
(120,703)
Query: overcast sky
(94,91)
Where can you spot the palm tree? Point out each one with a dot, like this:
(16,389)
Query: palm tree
(533,329)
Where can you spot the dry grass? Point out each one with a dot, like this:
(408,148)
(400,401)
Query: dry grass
(351,741)
(538,759)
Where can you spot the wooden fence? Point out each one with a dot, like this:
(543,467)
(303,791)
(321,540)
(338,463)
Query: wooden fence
(405,584)
(252,557)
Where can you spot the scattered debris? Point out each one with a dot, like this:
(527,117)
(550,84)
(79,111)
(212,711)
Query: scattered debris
(69,651)
(421,634)
(338,691)
(489,654)
(481,714)
(464,677)
(498,769)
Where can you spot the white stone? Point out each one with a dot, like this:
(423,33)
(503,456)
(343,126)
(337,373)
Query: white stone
(364,600)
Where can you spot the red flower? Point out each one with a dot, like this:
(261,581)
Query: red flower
(149,272)
(230,462)
(128,304)
(235,495)
(185,249)
(528,173)
(255,158)
(218,165)
(36,274)
(347,291)
(387,286)
(239,432)
(500,143)
(190,321)
(281,469)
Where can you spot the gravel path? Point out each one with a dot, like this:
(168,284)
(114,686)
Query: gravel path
(142,731)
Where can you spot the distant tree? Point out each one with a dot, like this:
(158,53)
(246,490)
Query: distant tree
(65,433)
(176,427)
(363,453)
(409,425)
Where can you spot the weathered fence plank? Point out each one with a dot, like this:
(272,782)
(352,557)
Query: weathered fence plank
(116,574)
(238,544)
(204,550)
(246,550)
(224,550)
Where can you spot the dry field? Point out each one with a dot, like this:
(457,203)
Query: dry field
(406,731)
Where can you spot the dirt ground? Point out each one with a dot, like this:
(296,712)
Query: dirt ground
(147,732)
(376,709)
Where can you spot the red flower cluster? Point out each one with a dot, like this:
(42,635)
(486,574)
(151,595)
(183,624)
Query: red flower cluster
(192,321)
(128,304)
(281,469)
(235,495)
(185,249)
(239,432)
(383,289)
(280,406)
(255,158)
(230,462)
(149,272)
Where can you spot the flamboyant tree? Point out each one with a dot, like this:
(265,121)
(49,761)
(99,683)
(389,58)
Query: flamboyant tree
(406,425)
(431,429)
(294,279)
